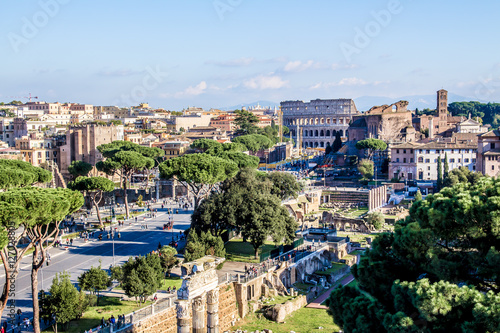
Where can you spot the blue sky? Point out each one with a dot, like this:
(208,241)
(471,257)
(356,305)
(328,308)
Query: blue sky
(217,53)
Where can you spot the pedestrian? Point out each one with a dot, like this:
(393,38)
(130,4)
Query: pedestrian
(71,241)
(102,322)
(155,298)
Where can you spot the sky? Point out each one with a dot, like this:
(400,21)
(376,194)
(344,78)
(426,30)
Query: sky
(219,53)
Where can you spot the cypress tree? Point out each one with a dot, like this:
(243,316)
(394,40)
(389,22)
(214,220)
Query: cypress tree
(440,174)
(445,167)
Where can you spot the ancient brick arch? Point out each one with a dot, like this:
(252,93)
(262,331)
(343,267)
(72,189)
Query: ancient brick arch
(340,223)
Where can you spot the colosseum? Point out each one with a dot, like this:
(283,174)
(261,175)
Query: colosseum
(319,120)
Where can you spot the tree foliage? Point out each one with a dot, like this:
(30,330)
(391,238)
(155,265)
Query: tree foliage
(231,151)
(254,142)
(337,144)
(142,276)
(204,243)
(439,183)
(371,145)
(63,301)
(94,187)
(14,173)
(438,271)
(284,184)
(168,258)
(488,112)
(198,172)
(249,203)
(94,280)
(246,122)
(124,158)
(366,169)
(79,168)
(375,219)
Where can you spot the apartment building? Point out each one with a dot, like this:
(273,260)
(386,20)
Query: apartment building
(418,161)
(488,153)
(37,150)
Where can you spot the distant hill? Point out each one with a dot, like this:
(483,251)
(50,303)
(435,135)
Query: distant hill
(364,103)
(263,104)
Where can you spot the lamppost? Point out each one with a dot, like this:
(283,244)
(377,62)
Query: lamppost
(113,238)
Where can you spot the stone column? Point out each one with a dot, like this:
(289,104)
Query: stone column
(213,311)
(199,325)
(183,317)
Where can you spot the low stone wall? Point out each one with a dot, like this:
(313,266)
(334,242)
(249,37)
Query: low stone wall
(278,312)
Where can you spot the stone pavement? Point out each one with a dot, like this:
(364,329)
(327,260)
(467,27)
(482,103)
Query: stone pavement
(316,304)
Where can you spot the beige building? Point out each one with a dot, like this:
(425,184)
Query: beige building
(37,150)
(488,153)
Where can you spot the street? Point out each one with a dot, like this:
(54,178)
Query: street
(134,241)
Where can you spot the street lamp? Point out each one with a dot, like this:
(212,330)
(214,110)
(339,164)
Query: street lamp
(113,237)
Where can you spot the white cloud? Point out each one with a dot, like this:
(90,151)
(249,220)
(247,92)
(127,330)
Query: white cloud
(298,66)
(343,66)
(317,86)
(351,81)
(198,89)
(265,82)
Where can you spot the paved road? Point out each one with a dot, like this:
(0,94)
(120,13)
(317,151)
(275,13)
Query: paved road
(77,258)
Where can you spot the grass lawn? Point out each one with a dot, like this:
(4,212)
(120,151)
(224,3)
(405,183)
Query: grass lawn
(171,282)
(107,306)
(336,266)
(304,320)
(355,253)
(356,237)
(356,212)
(277,300)
(302,287)
(237,250)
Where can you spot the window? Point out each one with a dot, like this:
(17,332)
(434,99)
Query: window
(404,151)
(397,160)
(411,160)
(452,160)
(473,160)
(427,151)
(420,159)
(492,167)
(428,168)
(459,160)
(420,151)
(397,151)
(437,151)
(492,145)
(427,160)
(404,160)
(466,160)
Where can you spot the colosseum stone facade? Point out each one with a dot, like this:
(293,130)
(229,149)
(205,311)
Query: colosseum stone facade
(319,120)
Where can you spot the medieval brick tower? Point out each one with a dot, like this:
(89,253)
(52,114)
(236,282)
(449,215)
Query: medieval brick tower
(442,109)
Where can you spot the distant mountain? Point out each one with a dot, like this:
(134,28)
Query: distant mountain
(263,104)
(364,103)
